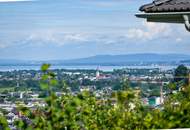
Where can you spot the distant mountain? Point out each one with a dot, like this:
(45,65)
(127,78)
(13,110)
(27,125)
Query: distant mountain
(10,61)
(129,59)
(185,61)
(18,62)
(145,58)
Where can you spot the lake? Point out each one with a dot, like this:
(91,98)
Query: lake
(87,67)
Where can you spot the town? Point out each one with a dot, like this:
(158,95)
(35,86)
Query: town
(23,87)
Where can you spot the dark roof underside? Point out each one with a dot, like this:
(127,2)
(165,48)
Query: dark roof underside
(166,6)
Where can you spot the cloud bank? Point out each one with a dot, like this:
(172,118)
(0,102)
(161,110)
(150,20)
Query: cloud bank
(149,31)
(14,0)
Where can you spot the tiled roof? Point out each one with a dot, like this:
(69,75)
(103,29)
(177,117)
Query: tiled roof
(166,6)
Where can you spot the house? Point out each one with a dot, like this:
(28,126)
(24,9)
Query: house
(167,11)
(155,101)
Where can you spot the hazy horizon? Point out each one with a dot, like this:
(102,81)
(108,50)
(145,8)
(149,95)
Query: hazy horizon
(160,54)
(65,29)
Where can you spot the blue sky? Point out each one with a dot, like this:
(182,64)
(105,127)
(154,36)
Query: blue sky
(65,29)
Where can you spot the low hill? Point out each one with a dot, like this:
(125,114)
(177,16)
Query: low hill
(128,59)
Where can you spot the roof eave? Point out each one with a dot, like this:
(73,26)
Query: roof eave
(169,17)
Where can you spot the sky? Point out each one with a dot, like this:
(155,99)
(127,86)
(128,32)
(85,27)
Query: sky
(69,29)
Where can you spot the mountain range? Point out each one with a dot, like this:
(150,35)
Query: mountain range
(143,58)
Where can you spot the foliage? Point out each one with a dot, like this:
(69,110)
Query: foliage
(181,74)
(3,123)
(122,110)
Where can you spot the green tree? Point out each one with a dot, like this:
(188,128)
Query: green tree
(125,84)
(122,110)
(181,74)
(3,123)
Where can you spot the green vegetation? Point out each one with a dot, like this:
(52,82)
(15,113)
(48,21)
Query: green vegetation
(5,89)
(122,110)
(181,75)
(3,123)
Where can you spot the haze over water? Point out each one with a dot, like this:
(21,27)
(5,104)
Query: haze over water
(87,67)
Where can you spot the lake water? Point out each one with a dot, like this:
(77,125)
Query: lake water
(103,68)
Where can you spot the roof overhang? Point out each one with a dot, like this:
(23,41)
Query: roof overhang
(167,17)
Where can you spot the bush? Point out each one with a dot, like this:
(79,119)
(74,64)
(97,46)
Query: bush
(122,110)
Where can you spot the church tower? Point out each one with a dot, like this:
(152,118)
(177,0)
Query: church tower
(97,73)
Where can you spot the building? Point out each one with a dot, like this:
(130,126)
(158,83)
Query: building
(97,73)
(167,11)
(154,101)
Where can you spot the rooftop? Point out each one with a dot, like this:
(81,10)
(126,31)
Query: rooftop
(166,6)
(167,11)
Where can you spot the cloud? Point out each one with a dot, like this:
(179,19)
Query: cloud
(2,45)
(178,40)
(14,0)
(54,37)
(149,31)
(61,38)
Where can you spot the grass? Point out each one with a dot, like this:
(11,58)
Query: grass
(6,88)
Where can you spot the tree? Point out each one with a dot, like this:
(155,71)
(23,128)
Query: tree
(125,84)
(123,110)
(3,123)
(181,75)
